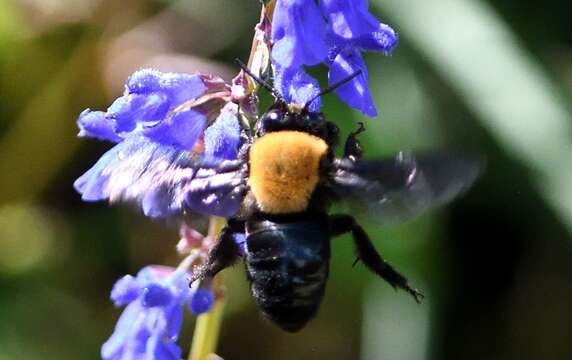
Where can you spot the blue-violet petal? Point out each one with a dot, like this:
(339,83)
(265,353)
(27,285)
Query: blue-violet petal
(297,87)
(298,32)
(355,93)
(222,138)
(201,301)
(94,124)
(181,130)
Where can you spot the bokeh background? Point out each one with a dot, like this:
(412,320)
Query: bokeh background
(490,76)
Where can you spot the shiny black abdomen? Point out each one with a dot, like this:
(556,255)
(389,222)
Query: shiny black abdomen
(287,263)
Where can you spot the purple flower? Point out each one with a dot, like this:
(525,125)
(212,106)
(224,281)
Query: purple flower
(153,315)
(355,93)
(298,33)
(153,105)
(159,123)
(201,301)
(351,21)
(345,29)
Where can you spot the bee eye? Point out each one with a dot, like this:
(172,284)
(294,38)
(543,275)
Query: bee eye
(271,120)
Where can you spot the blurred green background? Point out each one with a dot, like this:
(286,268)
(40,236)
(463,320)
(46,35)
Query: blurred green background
(496,266)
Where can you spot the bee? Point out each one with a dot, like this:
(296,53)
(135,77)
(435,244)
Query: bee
(277,194)
(291,177)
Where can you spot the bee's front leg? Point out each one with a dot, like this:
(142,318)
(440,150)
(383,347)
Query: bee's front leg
(352,149)
(223,254)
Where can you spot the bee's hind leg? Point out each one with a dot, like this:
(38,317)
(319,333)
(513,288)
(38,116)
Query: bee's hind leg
(223,254)
(366,252)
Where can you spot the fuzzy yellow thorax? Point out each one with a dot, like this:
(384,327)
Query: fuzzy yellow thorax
(284,170)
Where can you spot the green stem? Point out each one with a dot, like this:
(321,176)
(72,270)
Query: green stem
(207,331)
(207,327)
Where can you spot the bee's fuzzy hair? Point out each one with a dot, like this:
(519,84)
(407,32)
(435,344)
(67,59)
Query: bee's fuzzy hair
(284,170)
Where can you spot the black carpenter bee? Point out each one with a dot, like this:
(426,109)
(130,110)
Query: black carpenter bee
(289,177)
(277,193)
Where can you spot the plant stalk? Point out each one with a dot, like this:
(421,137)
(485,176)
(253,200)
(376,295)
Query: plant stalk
(207,327)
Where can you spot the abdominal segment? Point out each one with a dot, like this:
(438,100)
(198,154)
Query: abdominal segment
(287,270)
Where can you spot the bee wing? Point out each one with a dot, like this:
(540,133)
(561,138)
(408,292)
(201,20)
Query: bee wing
(398,189)
(163,180)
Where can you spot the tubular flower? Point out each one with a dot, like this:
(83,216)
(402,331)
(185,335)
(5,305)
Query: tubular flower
(161,121)
(153,315)
(298,33)
(345,29)
(156,105)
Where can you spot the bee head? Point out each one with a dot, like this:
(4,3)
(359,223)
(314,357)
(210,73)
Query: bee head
(282,116)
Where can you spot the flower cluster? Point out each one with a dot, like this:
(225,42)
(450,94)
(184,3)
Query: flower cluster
(160,121)
(150,324)
(159,116)
(330,32)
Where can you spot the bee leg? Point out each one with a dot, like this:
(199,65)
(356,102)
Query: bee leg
(221,166)
(352,149)
(367,253)
(223,254)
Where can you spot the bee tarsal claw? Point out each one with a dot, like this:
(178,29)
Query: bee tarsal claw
(417,295)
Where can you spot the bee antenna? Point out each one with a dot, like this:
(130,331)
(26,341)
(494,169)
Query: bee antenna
(261,82)
(329,89)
